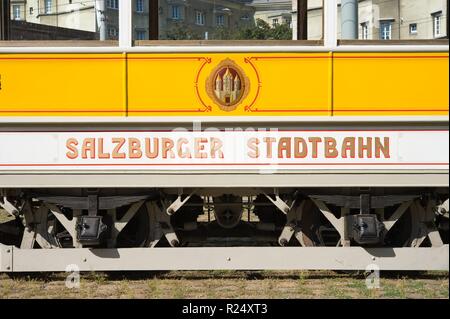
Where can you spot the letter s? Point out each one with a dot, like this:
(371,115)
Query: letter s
(71,145)
(252,144)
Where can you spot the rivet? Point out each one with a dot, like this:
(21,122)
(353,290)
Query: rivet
(228,259)
(373,258)
(8,251)
(84,259)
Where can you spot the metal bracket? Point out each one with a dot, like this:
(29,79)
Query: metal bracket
(280,204)
(388,224)
(69,225)
(291,228)
(41,230)
(8,207)
(160,225)
(337,223)
(423,225)
(179,202)
(92,205)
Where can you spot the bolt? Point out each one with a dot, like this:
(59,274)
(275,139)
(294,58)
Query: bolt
(373,258)
(8,267)
(8,251)
(84,259)
(175,243)
(228,259)
(283,242)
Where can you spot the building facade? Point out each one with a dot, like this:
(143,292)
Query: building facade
(80,15)
(402,19)
(203,19)
(217,19)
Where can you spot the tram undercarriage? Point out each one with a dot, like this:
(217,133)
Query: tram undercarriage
(236,228)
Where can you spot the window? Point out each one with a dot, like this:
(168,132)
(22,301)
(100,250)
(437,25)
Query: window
(48,6)
(113,33)
(141,34)
(176,12)
(220,20)
(386,30)
(437,24)
(365,31)
(47,20)
(16,12)
(140,6)
(113,4)
(199,18)
(401,20)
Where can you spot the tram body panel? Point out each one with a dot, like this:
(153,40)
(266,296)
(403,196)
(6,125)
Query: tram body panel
(179,85)
(313,153)
(406,83)
(63,85)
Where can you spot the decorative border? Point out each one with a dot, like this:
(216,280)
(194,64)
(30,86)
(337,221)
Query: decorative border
(250,107)
(206,108)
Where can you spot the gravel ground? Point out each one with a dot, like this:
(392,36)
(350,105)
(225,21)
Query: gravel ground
(227,284)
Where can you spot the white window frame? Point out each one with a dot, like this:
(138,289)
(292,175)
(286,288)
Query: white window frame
(411,26)
(437,24)
(275,22)
(386,34)
(48,6)
(113,4)
(220,22)
(175,12)
(139,6)
(200,17)
(365,30)
(17,12)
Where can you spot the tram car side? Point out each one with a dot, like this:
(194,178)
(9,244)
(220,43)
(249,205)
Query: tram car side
(224,159)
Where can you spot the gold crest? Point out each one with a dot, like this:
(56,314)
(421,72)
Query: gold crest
(227,85)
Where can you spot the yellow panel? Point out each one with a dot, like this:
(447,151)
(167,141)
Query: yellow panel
(278,84)
(180,84)
(62,84)
(391,84)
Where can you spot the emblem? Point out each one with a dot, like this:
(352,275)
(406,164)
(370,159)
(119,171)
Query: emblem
(227,85)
